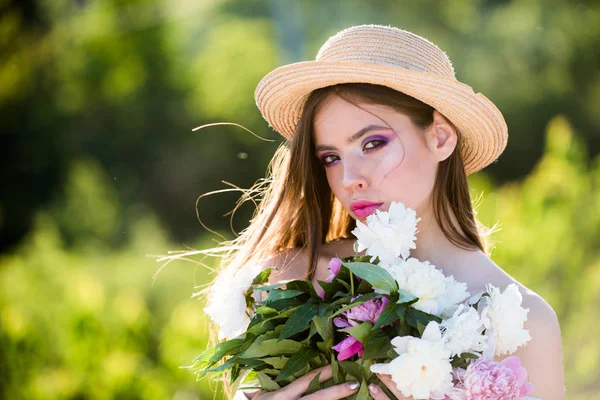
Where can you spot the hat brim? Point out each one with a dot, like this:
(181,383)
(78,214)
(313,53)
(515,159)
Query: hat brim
(281,95)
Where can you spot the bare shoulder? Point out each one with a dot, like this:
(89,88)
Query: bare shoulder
(293,263)
(287,265)
(486,271)
(539,309)
(542,356)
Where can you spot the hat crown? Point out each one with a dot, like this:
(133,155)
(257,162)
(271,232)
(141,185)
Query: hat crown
(386,46)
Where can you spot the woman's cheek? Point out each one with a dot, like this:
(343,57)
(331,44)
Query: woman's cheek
(334,181)
(389,167)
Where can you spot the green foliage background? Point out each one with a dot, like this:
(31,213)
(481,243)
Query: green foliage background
(100,171)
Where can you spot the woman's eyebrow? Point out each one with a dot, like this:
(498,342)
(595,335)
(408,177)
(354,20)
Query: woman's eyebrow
(356,136)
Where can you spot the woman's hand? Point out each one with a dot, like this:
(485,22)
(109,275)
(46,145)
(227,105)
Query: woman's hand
(298,388)
(379,394)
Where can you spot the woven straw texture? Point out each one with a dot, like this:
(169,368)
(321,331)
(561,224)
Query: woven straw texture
(397,59)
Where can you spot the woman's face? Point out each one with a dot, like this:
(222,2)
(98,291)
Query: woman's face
(374,154)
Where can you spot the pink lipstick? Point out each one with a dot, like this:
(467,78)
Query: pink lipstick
(363,209)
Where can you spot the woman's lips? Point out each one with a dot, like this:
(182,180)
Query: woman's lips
(363,209)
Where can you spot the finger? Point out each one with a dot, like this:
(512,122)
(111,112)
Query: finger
(377,393)
(334,392)
(300,385)
(389,383)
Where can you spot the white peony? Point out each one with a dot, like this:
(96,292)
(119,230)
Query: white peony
(456,293)
(463,331)
(388,234)
(226,303)
(422,369)
(504,318)
(437,293)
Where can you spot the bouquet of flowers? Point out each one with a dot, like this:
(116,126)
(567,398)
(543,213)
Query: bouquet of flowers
(382,312)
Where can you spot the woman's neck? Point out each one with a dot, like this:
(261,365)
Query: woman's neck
(433,245)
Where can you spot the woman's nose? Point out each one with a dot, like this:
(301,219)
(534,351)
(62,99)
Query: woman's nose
(354,178)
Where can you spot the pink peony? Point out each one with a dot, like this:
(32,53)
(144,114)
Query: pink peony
(349,347)
(367,311)
(487,380)
(334,267)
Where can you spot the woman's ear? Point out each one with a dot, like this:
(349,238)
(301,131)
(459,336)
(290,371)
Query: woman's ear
(441,137)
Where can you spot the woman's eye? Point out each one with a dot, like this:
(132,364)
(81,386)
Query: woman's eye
(374,144)
(329,159)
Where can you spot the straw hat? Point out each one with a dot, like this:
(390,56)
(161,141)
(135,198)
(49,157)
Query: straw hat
(395,58)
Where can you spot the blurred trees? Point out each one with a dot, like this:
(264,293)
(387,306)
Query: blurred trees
(81,322)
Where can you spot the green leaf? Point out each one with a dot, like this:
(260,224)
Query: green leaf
(342,300)
(328,288)
(265,288)
(285,313)
(265,310)
(325,328)
(351,368)
(312,332)
(311,288)
(297,362)
(357,258)
(251,362)
(366,367)
(280,294)
(325,310)
(364,287)
(299,320)
(338,375)
(235,373)
(225,366)
(363,393)
(298,284)
(271,372)
(260,327)
(217,352)
(360,332)
(388,314)
(267,383)
(402,328)
(270,324)
(377,345)
(421,328)
(262,277)
(283,304)
(345,284)
(251,376)
(324,348)
(375,275)
(276,362)
(243,376)
(271,347)
(313,386)
(463,360)
(406,297)
(415,317)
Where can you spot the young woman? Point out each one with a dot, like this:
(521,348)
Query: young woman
(379,117)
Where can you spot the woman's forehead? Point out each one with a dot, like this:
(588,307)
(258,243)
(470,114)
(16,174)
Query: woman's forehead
(339,117)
